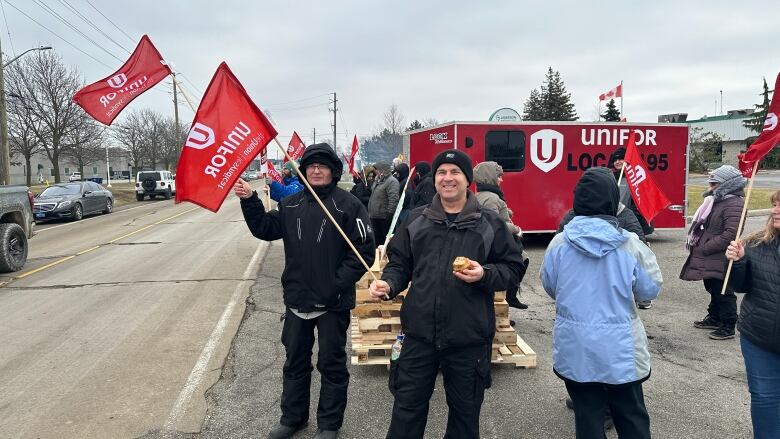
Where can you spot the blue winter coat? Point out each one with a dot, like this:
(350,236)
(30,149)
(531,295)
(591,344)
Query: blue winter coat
(291,186)
(596,271)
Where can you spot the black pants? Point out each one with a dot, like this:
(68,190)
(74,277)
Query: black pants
(298,340)
(625,402)
(381,228)
(466,372)
(723,307)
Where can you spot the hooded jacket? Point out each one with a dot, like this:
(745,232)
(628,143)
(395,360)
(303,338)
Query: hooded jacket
(360,190)
(707,260)
(320,269)
(291,186)
(384,197)
(490,195)
(402,175)
(596,271)
(439,308)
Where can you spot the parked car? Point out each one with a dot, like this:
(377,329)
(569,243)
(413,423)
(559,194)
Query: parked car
(73,201)
(250,175)
(76,176)
(16,226)
(154,183)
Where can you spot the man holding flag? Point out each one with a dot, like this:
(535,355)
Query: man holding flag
(319,286)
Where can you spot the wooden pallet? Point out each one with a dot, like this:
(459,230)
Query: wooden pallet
(517,353)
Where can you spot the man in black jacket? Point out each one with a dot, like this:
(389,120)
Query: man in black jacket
(319,286)
(447,317)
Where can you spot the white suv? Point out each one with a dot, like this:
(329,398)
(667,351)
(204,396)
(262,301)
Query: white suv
(154,183)
(76,176)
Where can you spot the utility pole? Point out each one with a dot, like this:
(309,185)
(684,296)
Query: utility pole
(5,153)
(335,108)
(314,135)
(176,112)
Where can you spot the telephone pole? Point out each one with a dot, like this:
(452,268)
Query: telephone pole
(335,108)
(176,112)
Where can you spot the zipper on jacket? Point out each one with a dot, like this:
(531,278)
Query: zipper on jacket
(322,227)
(299,228)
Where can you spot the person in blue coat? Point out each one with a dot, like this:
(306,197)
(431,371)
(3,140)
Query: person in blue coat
(596,272)
(290,184)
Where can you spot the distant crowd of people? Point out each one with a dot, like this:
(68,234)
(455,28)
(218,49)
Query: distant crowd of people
(599,269)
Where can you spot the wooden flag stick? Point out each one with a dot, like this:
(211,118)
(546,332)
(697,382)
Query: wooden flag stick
(739,228)
(397,213)
(324,209)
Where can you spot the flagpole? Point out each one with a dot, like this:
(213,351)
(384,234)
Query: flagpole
(622,112)
(324,209)
(741,222)
(398,209)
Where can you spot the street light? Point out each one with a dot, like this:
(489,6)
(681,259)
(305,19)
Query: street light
(5,154)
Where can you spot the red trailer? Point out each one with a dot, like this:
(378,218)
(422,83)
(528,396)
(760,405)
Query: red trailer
(542,161)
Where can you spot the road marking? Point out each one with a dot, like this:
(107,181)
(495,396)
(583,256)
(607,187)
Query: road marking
(196,375)
(67,258)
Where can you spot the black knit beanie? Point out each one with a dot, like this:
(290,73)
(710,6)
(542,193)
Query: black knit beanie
(457,158)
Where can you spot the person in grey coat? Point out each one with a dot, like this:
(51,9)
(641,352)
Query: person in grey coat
(384,199)
(714,226)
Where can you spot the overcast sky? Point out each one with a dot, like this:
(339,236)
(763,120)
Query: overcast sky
(453,60)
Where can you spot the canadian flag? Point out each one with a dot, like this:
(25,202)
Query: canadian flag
(646,194)
(295,148)
(616,92)
(273,173)
(228,132)
(767,140)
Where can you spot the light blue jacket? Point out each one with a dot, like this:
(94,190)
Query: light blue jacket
(596,272)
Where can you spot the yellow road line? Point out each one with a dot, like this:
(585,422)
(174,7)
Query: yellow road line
(67,258)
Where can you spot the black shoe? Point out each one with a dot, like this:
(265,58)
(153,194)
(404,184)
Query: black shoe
(514,302)
(512,323)
(644,304)
(326,434)
(722,333)
(707,323)
(281,431)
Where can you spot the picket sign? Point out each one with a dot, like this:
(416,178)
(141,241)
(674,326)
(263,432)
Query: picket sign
(739,228)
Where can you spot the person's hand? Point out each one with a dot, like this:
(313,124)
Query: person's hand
(242,189)
(379,289)
(265,189)
(472,274)
(736,251)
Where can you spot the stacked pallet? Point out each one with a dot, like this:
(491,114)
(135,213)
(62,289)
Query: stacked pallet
(375,326)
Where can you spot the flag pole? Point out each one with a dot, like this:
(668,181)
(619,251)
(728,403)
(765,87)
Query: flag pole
(324,209)
(398,209)
(741,223)
(622,112)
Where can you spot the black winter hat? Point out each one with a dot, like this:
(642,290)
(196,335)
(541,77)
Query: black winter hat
(324,154)
(619,154)
(457,158)
(596,193)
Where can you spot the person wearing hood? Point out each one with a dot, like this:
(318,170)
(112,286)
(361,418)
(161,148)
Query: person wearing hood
(595,271)
(401,174)
(360,188)
(488,176)
(713,227)
(447,316)
(318,284)
(424,189)
(616,162)
(290,184)
(383,201)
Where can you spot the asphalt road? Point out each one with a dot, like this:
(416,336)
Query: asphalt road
(119,323)
(697,389)
(765,179)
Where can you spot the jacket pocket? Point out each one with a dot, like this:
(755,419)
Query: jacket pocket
(482,379)
(392,380)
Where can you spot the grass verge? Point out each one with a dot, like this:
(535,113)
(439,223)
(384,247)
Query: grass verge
(759,198)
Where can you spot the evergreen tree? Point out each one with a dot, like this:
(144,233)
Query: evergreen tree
(756,121)
(415,125)
(612,114)
(553,102)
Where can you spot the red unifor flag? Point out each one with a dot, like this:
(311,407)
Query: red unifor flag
(273,173)
(264,162)
(228,132)
(616,92)
(768,138)
(351,160)
(105,99)
(295,148)
(646,194)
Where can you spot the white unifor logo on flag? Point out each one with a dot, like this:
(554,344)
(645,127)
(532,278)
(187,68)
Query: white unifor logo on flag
(770,122)
(200,136)
(117,81)
(546,149)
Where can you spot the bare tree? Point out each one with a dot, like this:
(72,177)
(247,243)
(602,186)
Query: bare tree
(173,138)
(394,120)
(22,138)
(85,143)
(153,135)
(129,134)
(45,87)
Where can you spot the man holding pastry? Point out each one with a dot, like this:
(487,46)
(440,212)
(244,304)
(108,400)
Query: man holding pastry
(456,255)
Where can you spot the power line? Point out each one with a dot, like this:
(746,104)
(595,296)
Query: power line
(194,88)
(91,24)
(109,20)
(296,101)
(7,28)
(56,15)
(282,110)
(57,35)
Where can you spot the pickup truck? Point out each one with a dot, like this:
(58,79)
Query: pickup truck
(16,226)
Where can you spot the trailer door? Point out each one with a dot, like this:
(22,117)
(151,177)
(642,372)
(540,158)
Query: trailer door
(507,148)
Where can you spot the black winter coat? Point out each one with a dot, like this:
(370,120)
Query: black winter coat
(439,308)
(320,269)
(758,276)
(424,192)
(362,192)
(708,259)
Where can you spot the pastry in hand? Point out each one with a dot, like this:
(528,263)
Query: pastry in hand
(461,263)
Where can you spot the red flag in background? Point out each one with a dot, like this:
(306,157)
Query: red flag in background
(273,173)
(616,92)
(295,148)
(767,140)
(228,132)
(646,194)
(351,160)
(105,99)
